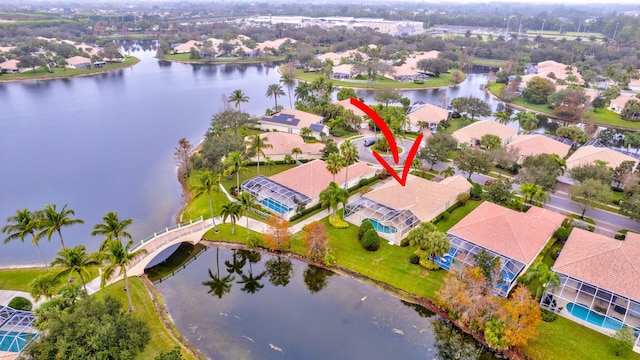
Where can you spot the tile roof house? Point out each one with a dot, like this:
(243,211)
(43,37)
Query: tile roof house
(618,103)
(281,193)
(397,209)
(282,144)
(515,237)
(273,44)
(599,278)
(186,47)
(428,114)
(292,121)
(342,71)
(590,154)
(471,134)
(536,144)
(10,66)
(79,62)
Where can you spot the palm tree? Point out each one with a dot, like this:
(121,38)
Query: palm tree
(246,201)
(527,190)
(540,197)
(207,182)
(22,223)
(43,285)
(119,257)
(449,171)
(296,151)
(306,132)
(350,155)
(335,163)
(542,276)
(288,80)
(257,144)
(332,196)
(233,211)
(112,228)
(237,97)
(52,220)
(237,163)
(217,285)
(429,240)
(273,91)
(76,260)
(302,92)
(527,121)
(503,117)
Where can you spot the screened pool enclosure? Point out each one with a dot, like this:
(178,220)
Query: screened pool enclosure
(275,197)
(16,329)
(396,223)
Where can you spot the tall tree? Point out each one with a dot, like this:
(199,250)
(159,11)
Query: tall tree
(119,257)
(598,171)
(437,148)
(207,182)
(527,121)
(296,151)
(237,97)
(236,162)
(231,210)
(473,160)
(274,91)
(335,163)
(316,239)
(490,141)
(471,105)
(429,240)
(54,220)
(589,193)
(257,145)
(522,317)
(543,277)
(498,192)
(76,260)
(182,154)
(22,223)
(246,201)
(333,196)
(349,153)
(277,235)
(112,228)
(289,80)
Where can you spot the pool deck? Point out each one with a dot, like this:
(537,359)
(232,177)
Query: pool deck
(8,355)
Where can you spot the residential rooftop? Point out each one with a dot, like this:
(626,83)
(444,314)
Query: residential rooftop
(536,144)
(589,154)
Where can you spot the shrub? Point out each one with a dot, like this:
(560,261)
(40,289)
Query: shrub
(445,215)
(20,303)
(337,222)
(428,264)
(548,316)
(404,242)
(366,225)
(253,242)
(414,259)
(620,236)
(371,240)
(463,198)
(330,259)
(476,191)
(305,212)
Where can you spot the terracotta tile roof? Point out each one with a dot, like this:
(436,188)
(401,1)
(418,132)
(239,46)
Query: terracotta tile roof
(479,128)
(413,59)
(78,60)
(601,261)
(622,100)
(347,105)
(589,154)
(344,68)
(423,197)
(313,177)
(283,143)
(305,119)
(517,235)
(428,113)
(535,144)
(9,64)
(186,47)
(274,44)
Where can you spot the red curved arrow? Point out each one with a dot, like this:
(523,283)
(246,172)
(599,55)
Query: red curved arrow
(392,143)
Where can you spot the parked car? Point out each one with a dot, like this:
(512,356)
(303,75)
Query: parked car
(369,142)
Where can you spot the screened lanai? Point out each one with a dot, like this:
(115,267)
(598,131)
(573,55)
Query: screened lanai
(273,196)
(461,253)
(16,329)
(391,224)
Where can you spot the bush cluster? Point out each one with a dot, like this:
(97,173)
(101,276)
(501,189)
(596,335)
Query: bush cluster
(476,191)
(20,303)
(371,240)
(414,259)
(548,316)
(305,212)
(562,234)
(366,225)
(337,222)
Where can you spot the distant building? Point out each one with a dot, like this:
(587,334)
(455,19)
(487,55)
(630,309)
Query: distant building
(282,143)
(426,115)
(536,144)
(79,62)
(588,155)
(293,121)
(10,66)
(471,134)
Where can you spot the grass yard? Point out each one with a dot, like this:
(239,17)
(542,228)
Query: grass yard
(457,215)
(161,340)
(443,80)
(41,72)
(455,124)
(564,339)
(19,279)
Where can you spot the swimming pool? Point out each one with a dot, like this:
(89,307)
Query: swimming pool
(275,206)
(381,228)
(582,312)
(15,341)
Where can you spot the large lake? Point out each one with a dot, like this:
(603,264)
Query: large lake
(106,142)
(244,305)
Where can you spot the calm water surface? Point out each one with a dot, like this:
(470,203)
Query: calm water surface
(243,305)
(105,142)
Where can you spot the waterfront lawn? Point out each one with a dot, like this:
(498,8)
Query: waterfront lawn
(200,205)
(161,340)
(565,339)
(381,82)
(19,279)
(41,72)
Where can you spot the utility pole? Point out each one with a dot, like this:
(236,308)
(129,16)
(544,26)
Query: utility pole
(542,28)
(615,32)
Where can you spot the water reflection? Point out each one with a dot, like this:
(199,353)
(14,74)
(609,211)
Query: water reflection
(218,285)
(316,278)
(454,344)
(279,270)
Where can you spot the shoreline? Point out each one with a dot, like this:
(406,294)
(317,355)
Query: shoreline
(213,62)
(49,77)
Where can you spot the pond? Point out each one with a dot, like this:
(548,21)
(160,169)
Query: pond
(238,304)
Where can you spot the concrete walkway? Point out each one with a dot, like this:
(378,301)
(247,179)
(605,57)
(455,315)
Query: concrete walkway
(7,295)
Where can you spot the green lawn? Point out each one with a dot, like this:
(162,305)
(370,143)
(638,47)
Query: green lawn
(161,340)
(19,279)
(457,215)
(186,57)
(443,80)
(41,73)
(455,124)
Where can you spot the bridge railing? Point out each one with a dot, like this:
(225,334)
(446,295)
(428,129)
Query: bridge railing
(178,234)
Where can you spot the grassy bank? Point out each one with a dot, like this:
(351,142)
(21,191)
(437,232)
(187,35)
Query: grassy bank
(443,80)
(187,58)
(42,74)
